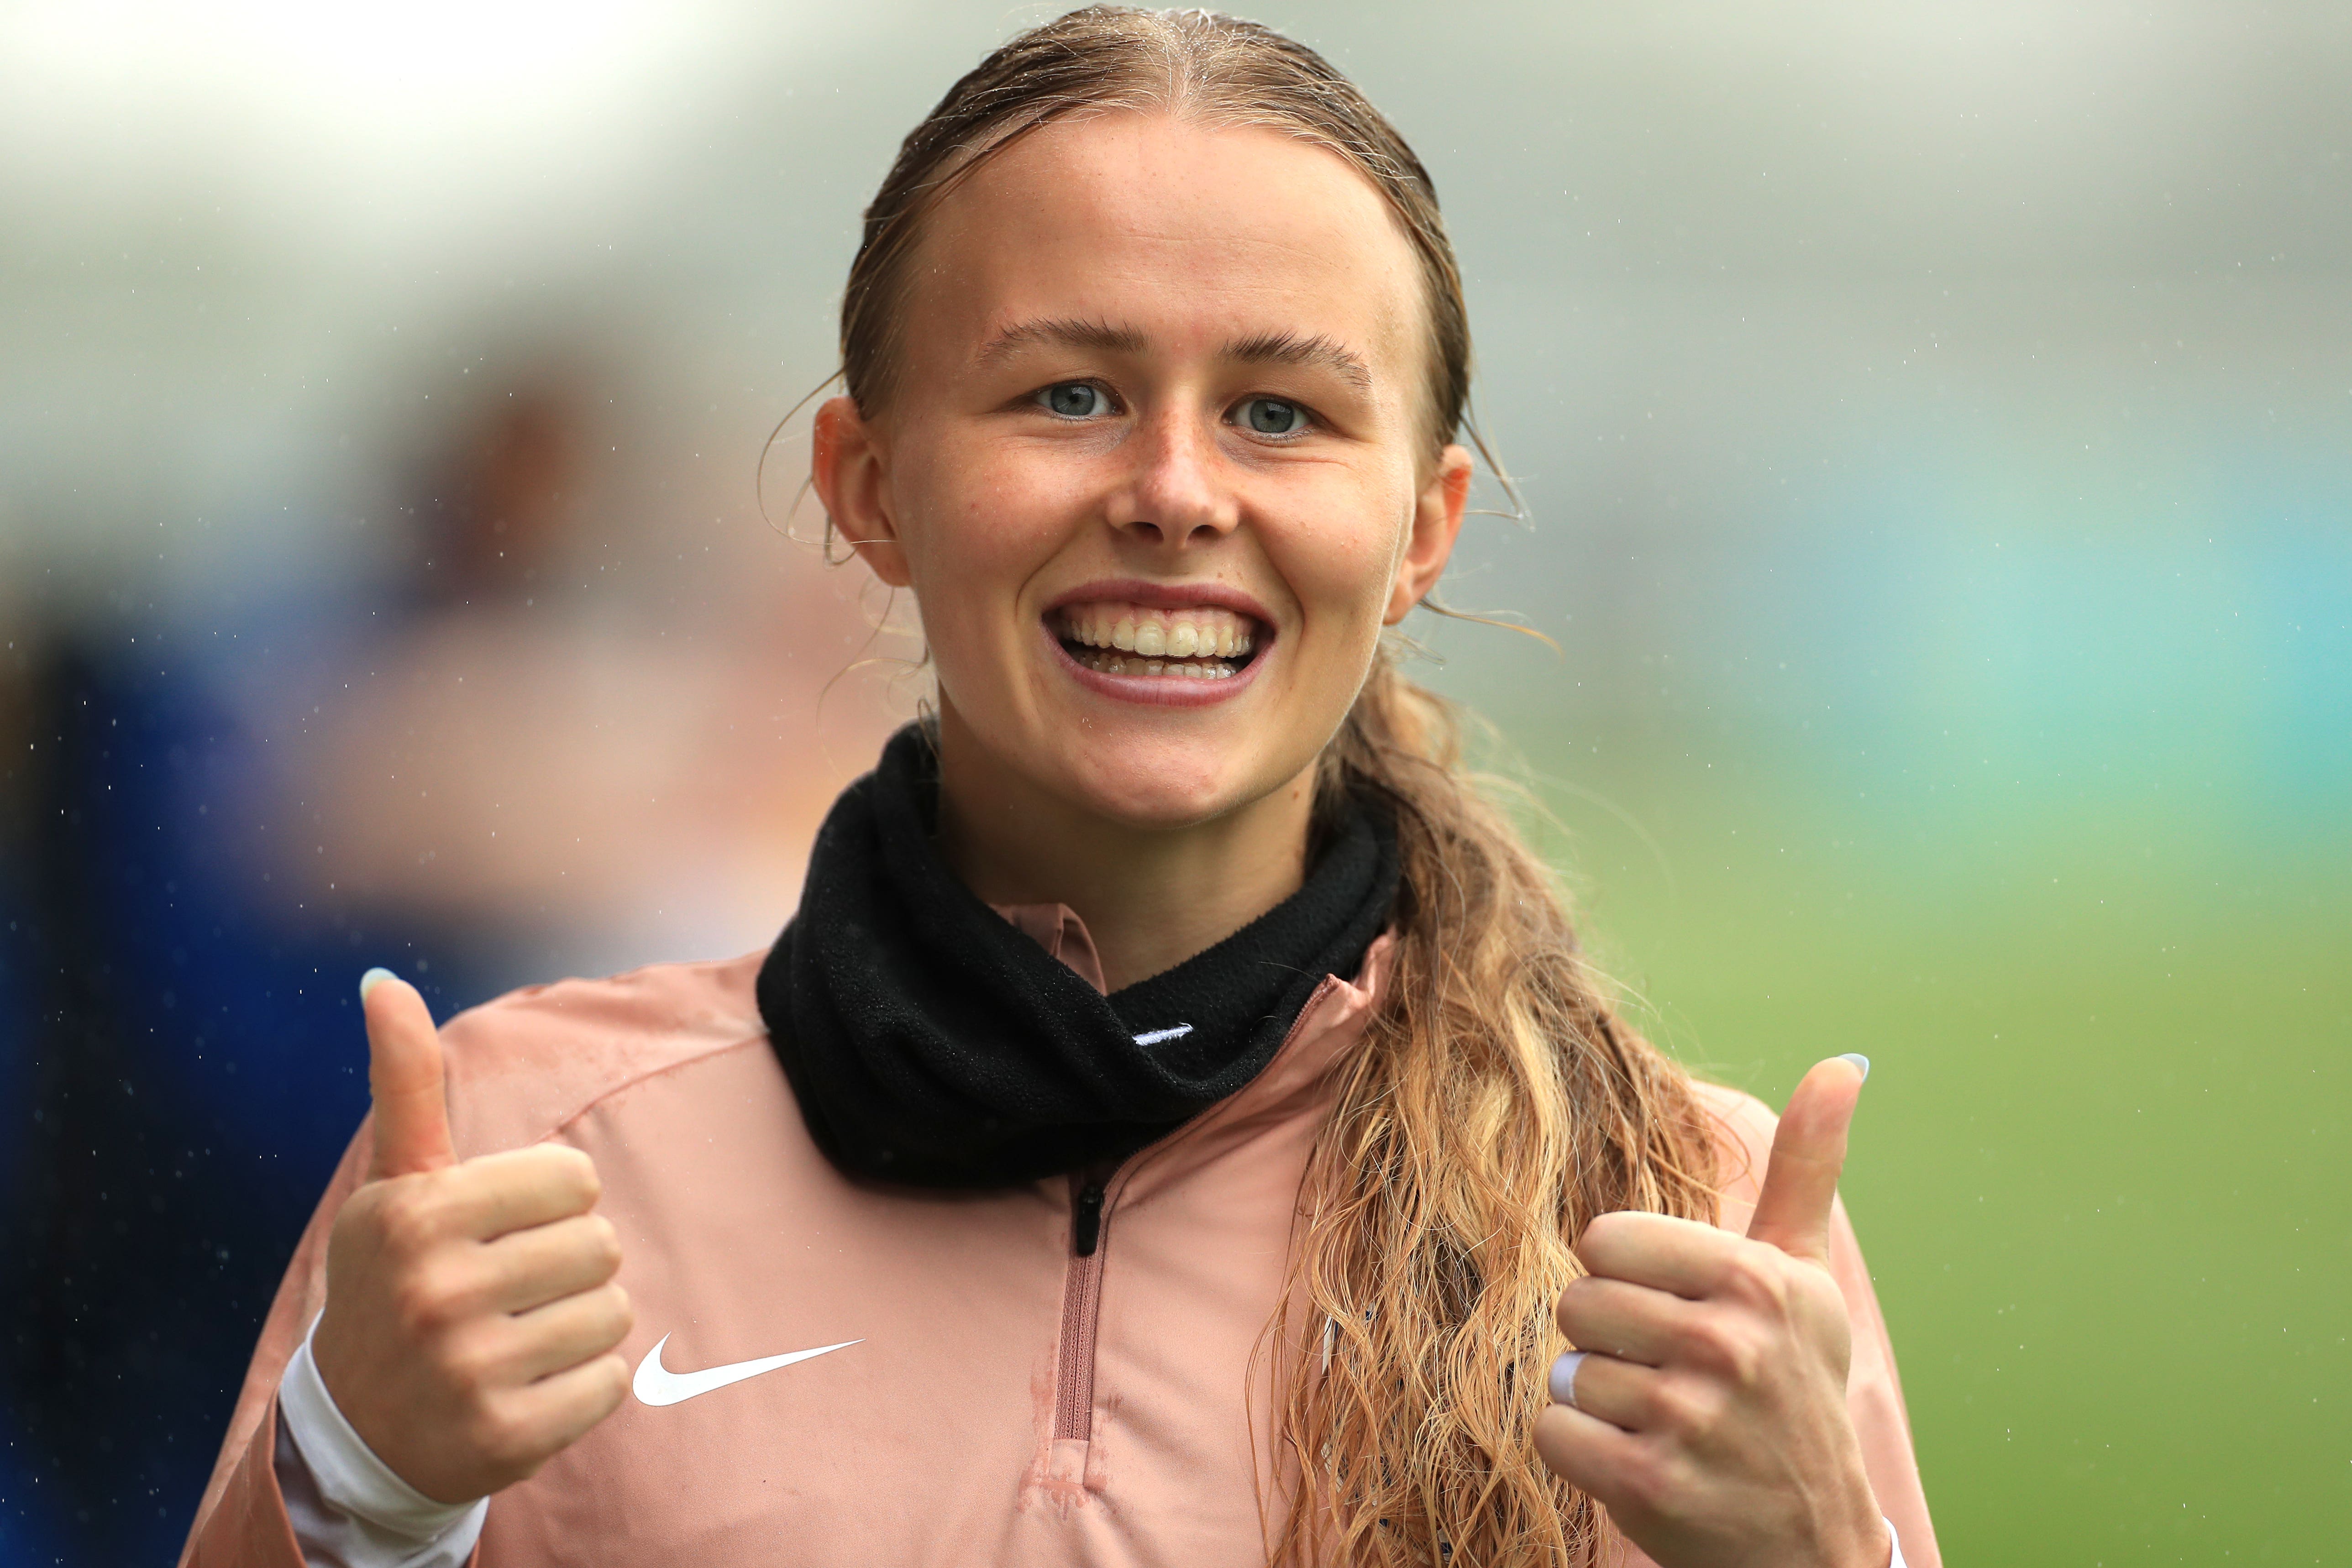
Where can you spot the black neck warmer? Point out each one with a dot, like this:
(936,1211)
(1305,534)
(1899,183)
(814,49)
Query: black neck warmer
(931,1042)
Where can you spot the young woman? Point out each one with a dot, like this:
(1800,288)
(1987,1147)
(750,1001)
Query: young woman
(1177,1126)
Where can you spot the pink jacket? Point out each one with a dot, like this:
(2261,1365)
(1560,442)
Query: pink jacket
(1006,1400)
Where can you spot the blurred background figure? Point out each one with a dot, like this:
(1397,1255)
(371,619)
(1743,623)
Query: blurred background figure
(549,738)
(1937,430)
(468,758)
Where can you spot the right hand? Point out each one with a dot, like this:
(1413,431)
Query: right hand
(471,1315)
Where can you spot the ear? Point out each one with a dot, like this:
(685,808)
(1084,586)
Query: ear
(1437,524)
(850,469)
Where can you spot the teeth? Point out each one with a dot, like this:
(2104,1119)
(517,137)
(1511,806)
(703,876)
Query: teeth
(1111,663)
(1190,645)
(1203,633)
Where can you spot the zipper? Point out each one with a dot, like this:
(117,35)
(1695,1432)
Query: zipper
(1074,1380)
(1086,1221)
(1074,1370)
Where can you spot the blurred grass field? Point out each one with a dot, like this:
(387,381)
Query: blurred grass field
(2101,1165)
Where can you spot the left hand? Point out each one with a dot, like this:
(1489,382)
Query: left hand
(1710,1416)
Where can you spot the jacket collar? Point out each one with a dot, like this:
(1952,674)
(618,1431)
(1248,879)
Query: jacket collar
(1295,1083)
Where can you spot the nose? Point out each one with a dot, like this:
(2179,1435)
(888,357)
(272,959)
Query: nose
(1176,491)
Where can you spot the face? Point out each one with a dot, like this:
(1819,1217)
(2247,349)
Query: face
(1157,465)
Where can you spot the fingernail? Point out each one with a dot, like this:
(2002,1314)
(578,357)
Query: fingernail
(1861,1063)
(378,975)
(1563,1378)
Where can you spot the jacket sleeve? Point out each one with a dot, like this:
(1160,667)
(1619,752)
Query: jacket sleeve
(242,1521)
(1873,1393)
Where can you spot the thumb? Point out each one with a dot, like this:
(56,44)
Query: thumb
(1792,1211)
(412,1119)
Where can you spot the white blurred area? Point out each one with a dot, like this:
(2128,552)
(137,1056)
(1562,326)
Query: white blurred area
(353,369)
(1934,364)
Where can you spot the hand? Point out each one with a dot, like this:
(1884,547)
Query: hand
(471,1318)
(1709,1418)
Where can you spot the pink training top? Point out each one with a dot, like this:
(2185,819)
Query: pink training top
(1006,1400)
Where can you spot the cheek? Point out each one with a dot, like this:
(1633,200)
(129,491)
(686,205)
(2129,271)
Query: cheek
(978,525)
(1343,561)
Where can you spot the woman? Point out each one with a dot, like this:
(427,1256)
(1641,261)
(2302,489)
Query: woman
(1177,1125)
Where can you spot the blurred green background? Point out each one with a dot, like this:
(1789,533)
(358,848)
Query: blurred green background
(2099,1165)
(1935,424)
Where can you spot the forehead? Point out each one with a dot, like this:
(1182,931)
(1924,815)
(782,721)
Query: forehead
(1192,235)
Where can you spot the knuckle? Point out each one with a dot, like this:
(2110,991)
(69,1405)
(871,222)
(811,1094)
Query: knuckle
(503,1438)
(433,1296)
(1758,1276)
(1722,1345)
(1646,1479)
(465,1366)
(1815,1293)
(613,1382)
(604,1245)
(1556,1446)
(624,1314)
(408,1217)
(1690,1407)
(1575,1306)
(1746,1354)
(421,1303)
(577,1171)
(1672,1405)
(472,1361)
(1601,1230)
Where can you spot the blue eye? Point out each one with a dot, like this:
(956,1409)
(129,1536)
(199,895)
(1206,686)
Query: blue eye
(1272,416)
(1074,399)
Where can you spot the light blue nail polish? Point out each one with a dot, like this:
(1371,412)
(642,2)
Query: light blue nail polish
(1861,1063)
(372,979)
(1563,1378)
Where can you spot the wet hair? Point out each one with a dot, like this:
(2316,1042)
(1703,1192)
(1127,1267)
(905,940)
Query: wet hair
(1197,65)
(1499,1103)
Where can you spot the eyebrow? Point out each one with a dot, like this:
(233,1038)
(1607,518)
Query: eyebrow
(1316,352)
(1310,350)
(1066,332)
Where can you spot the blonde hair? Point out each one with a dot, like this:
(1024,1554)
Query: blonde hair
(1498,1102)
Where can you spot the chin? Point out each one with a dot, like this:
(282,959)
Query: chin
(1157,782)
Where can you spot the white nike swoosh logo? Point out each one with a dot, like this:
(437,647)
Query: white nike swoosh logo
(656,1384)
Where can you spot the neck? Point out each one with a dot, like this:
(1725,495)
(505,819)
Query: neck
(1151,897)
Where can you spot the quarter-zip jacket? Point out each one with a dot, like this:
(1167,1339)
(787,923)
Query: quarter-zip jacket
(1073,1371)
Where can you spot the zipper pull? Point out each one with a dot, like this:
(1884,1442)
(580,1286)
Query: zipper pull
(1086,1219)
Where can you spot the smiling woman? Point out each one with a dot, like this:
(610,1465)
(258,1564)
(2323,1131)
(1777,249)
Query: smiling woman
(1173,377)
(1177,1124)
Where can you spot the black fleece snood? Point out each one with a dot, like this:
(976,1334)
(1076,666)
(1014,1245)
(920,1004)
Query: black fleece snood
(932,1042)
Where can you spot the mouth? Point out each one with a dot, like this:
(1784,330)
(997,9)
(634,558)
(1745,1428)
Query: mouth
(1197,642)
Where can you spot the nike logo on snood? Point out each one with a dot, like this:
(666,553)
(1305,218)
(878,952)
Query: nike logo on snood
(656,1384)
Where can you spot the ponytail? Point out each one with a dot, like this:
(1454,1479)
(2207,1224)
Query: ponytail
(1498,1105)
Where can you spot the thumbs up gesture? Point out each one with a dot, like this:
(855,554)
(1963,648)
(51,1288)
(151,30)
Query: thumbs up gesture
(471,1315)
(1704,1404)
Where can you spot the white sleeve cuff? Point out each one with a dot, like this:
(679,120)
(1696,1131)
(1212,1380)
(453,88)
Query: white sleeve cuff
(349,1509)
(1896,1561)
